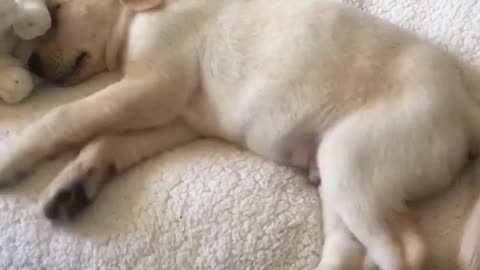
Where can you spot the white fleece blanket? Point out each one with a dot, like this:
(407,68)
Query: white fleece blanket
(209,205)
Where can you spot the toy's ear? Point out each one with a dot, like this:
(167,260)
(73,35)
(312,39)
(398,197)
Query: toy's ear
(143,5)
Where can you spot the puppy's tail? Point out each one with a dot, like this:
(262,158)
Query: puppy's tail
(469,254)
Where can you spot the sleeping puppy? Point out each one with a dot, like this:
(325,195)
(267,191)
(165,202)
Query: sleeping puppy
(388,117)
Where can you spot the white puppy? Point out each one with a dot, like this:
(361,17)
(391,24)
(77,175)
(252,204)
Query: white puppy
(386,116)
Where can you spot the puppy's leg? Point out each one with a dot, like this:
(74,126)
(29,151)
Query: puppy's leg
(360,181)
(126,105)
(362,211)
(81,180)
(413,243)
(341,251)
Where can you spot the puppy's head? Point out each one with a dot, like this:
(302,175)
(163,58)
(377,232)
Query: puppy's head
(81,38)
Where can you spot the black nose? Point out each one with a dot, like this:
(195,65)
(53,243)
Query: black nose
(35,64)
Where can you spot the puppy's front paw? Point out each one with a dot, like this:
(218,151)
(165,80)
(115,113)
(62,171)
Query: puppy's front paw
(74,189)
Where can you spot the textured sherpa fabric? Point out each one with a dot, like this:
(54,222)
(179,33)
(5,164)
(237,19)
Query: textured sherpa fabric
(209,205)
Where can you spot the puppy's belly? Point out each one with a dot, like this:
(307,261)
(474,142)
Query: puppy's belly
(294,150)
(261,128)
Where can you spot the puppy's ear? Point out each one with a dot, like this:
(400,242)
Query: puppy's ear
(142,5)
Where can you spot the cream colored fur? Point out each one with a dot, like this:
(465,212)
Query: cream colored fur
(386,116)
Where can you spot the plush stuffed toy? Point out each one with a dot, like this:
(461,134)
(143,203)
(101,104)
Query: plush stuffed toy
(20,21)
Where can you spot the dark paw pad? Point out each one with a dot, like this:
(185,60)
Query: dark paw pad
(67,203)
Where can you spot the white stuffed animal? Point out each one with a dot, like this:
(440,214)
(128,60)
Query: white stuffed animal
(20,21)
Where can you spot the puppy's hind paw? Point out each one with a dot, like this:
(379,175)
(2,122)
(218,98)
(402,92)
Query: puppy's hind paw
(75,188)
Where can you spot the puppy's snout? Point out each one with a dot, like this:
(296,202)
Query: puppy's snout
(35,65)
